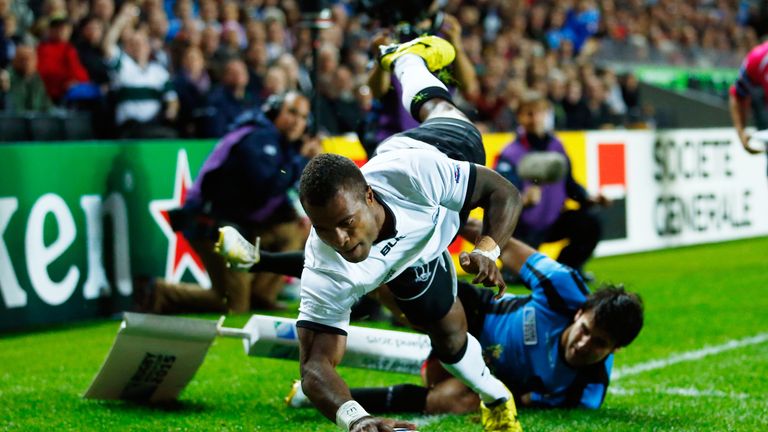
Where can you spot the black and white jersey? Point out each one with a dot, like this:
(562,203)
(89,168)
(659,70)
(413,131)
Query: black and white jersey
(425,191)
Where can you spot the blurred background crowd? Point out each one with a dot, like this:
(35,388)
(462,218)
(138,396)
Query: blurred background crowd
(188,68)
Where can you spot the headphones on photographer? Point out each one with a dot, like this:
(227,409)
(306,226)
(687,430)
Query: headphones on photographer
(274,103)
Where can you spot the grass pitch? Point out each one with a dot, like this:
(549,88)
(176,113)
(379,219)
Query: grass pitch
(713,296)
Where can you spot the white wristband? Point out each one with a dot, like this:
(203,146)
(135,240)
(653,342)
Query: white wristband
(492,255)
(348,413)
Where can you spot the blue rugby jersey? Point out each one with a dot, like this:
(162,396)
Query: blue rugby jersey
(521,334)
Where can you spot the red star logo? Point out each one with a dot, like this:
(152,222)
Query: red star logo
(181,256)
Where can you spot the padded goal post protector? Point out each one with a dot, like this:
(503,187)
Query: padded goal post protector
(367,348)
(153,358)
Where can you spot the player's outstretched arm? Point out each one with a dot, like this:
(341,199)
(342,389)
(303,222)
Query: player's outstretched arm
(319,354)
(502,205)
(740,110)
(513,255)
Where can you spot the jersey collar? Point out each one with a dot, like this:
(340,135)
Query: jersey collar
(389,230)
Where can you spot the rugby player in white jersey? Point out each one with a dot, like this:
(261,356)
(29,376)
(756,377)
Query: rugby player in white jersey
(391,222)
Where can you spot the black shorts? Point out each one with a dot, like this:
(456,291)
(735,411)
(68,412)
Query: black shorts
(457,139)
(426,293)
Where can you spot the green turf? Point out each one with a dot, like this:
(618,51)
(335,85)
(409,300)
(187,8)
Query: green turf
(695,297)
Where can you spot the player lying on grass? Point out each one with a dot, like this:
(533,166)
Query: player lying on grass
(553,348)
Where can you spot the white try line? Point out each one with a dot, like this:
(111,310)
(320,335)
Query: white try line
(676,391)
(687,356)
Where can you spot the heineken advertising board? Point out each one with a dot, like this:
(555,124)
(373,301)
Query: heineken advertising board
(78,221)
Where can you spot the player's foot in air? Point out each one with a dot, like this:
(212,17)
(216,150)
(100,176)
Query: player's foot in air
(296,397)
(239,253)
(436,52)
(501,417)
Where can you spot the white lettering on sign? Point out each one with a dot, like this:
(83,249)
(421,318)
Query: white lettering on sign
(96,284)
(13,295)
(702,212)
(39,255)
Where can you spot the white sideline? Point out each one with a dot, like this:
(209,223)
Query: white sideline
(687,356)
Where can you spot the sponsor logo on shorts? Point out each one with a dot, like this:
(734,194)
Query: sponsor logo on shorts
(422,273)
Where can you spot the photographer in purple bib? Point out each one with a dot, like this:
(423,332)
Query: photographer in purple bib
(537,164)
(244,182)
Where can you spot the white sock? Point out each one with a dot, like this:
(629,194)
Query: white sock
(414,76)
(472,371)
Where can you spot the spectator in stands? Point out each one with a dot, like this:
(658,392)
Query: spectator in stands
(556,95)
(244,182)
(183,11)
(337,110)
(21,13)
(141,86)
(298,76)
(192,84)
(582,22)
(230,24)
(7,34)
(229,49)
(89,49)
(210,40)
(614,98)
(630,92)
(189,35)
(103,10)
(58,62)
(157,26)
(256,61)
(209,15)
(22,87)
(277,40)
(543,218)
(77,10)
(275,82)
(229,99)
(600,116)
(578,116)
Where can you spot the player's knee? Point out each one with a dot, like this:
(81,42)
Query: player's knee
(451,397)
(440,108)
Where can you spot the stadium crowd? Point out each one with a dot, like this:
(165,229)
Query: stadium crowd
(188,68)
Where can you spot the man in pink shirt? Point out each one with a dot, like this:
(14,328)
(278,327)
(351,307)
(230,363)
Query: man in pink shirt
(750,91)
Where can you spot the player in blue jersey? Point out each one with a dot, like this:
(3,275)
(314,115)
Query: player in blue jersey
(552,348)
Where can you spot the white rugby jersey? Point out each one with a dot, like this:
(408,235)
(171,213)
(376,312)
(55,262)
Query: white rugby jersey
(425,190)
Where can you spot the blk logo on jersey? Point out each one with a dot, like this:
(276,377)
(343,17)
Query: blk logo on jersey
(390,244)
(457,173)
